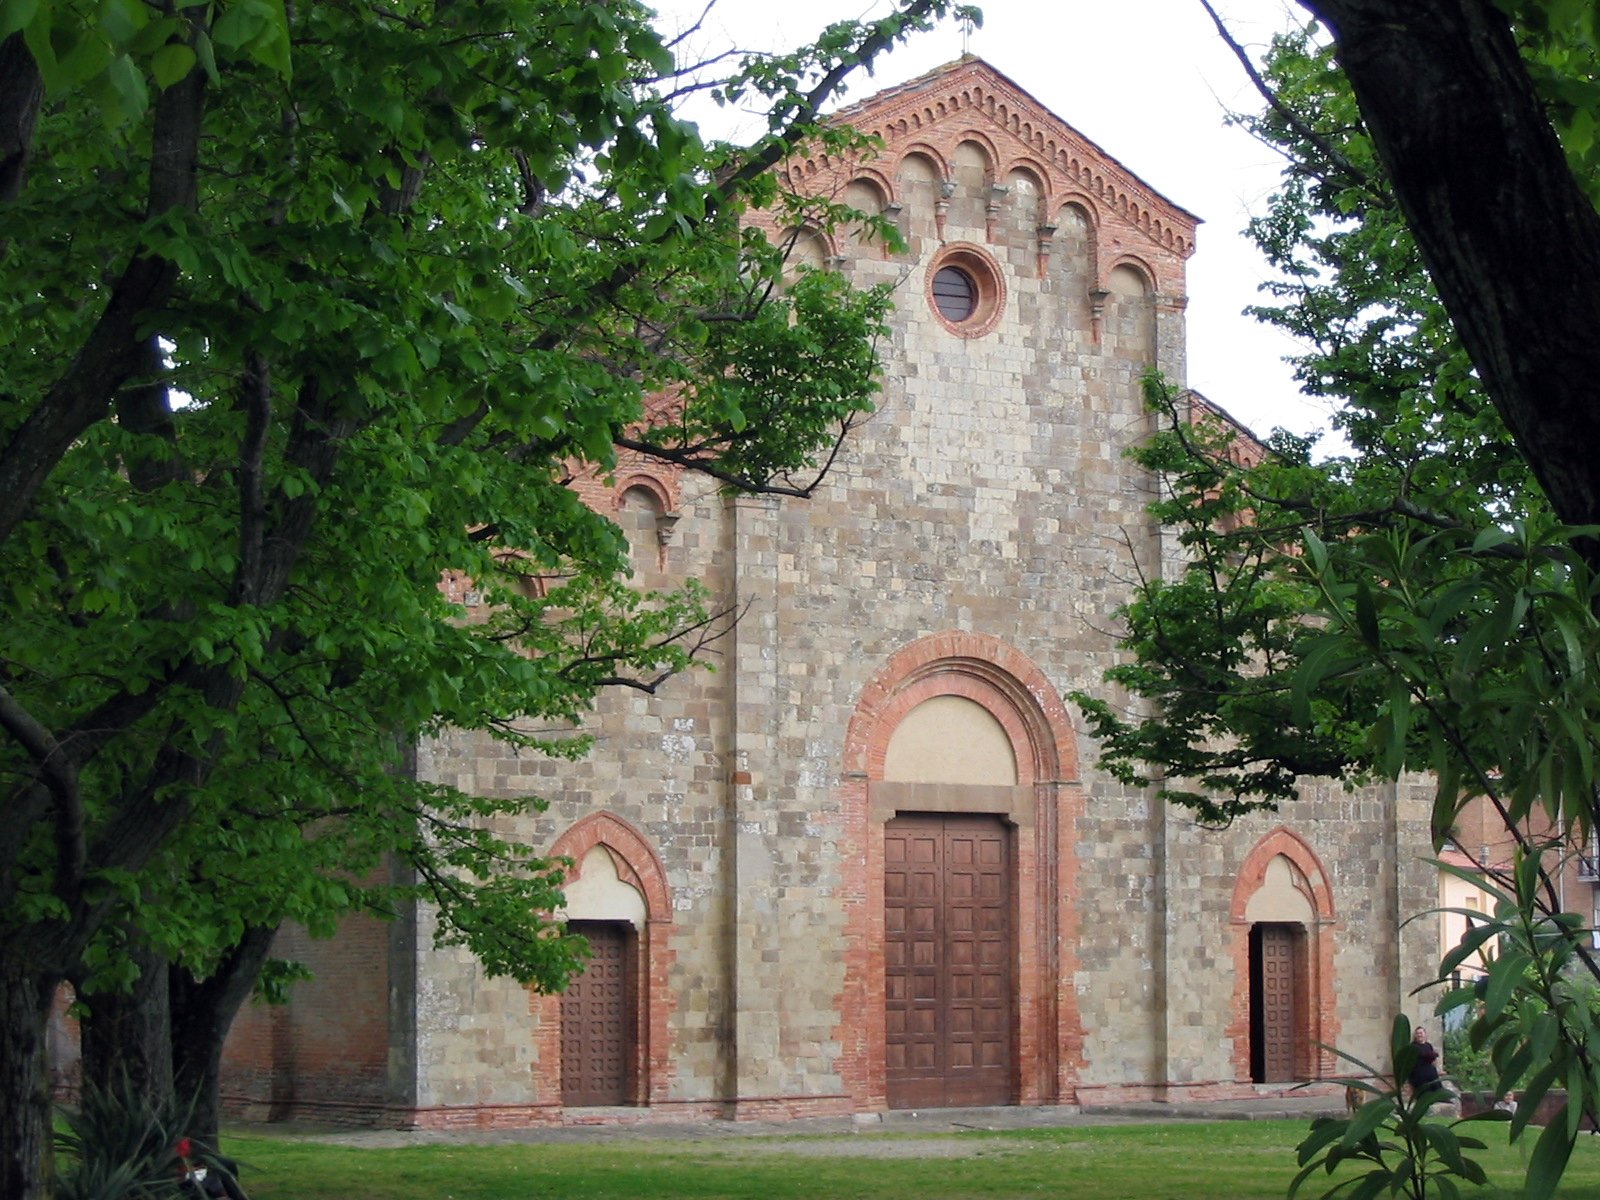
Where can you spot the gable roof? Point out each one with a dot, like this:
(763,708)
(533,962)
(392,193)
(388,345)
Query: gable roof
(971,92)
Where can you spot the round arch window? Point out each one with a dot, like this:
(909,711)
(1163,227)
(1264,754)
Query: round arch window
(965,290)
(955,295)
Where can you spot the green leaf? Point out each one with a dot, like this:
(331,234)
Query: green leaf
(1368,1118)
(1549,1160)
(1532,1093)
(130,87)
(172,63)
(17,14)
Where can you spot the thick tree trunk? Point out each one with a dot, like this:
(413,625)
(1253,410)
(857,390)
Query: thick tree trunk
(21,90)
(1510,238)
(202,1013)
(25,997)
(129,1034)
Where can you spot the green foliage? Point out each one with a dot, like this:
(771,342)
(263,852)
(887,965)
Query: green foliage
(1471,1070)
(117,1145)
(302,308)
(1391,1139)
(1408,604)
(1535,1011)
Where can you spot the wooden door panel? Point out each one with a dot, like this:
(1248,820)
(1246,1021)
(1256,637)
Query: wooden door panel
(948,986)
(597,1019)
(1277,1003)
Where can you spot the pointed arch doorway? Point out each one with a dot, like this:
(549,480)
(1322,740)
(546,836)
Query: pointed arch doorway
(604,1040)
(1283,920)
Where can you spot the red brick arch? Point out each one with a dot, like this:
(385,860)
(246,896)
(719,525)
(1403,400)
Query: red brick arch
(1138,265)
(982,669)
(1318,1017)
(638,865)
(1043,809)
(635,858)
(941,164)
(1253,873)
(658,485)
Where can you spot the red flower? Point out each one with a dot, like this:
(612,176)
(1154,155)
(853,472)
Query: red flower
(184,1148)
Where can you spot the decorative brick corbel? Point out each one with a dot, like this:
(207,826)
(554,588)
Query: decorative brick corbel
(1097,312)
(1047,237)
(941,206)
(997,196)
(665,523)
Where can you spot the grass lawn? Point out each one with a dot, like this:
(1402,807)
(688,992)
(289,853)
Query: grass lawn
(1229,1160)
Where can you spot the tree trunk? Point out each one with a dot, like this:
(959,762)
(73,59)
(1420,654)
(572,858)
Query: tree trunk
(202,1013)
(21,90)
(1510,238)
(130,1033)
(25,996)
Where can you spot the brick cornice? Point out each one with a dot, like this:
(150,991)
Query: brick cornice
(970,97)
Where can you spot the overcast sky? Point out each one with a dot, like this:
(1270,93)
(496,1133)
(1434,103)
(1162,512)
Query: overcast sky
(1150,82)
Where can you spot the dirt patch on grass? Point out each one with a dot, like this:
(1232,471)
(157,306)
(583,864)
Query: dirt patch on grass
(876,1146)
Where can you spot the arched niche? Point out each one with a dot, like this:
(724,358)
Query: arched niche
(1130,313)
(1024,205)
(972,171)
(918,179)
(809,250)
(641,513)
(866,196)
(1072,257)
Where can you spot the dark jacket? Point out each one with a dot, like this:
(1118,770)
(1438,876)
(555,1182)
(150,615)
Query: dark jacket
(1426,1073)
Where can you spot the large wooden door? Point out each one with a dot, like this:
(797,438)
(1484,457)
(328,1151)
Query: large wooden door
(948,956)
(598,1044)
(1273,1025)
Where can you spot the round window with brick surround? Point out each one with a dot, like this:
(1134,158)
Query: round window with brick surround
(965,290)
(954,294)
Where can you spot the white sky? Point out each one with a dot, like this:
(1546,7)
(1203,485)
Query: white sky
(1149,81)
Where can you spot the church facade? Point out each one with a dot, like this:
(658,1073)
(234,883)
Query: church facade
(869,862)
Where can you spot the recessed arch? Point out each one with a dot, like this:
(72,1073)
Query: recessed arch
(1082,206)
(879,185)
(1039,811)
(983,145)
(984,668)
(651,1002)
(921,161)
(1031,171)
(636,861)
(1303,920)
(1130,267)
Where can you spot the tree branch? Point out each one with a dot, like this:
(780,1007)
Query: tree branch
(114,349)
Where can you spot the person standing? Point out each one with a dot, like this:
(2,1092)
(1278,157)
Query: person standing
(1424,1075)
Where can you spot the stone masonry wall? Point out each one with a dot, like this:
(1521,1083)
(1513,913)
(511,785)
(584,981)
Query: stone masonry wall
(987,503)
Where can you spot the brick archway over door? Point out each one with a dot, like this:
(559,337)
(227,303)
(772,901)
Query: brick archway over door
(638,865)
(1041,810)
(1316,1016)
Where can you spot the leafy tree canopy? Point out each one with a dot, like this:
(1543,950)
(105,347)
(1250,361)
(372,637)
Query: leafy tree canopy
(1426,600)
(301,306)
